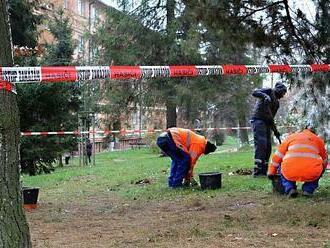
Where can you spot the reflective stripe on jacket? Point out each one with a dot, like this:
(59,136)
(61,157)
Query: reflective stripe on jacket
(189,142)
(302,157)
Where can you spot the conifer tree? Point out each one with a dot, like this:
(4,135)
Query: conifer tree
(49,106)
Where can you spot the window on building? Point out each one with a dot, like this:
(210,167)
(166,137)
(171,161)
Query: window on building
(95,52)
(81,7)
(81,45)
(135,120)
(94,14)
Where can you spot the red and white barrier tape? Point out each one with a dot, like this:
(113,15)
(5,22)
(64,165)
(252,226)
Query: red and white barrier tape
(7,86)
(124,131)
(82,73)
(121,132)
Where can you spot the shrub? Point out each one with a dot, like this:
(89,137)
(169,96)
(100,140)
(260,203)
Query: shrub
(150,139)
(216,136)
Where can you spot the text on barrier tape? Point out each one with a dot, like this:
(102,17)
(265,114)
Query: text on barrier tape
(82,73)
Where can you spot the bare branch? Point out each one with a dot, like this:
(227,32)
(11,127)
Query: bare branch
(294,31)
(260,9)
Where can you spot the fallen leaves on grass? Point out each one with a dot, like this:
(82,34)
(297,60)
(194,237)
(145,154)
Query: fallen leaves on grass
(143,181)
(242,172)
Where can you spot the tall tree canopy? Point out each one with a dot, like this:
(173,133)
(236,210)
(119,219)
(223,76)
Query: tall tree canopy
(158,34)
(233,32)
(290,34)
(150,35)
(125,41)
(187,40)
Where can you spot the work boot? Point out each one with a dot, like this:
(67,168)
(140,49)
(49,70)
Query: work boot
(258,171)
(307,194)
(186,183)
(293,193)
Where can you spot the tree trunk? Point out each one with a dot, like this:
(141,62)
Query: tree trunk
(170,30)
(243,133)
(14,231)
(60,161)
(241,117)
(170,113)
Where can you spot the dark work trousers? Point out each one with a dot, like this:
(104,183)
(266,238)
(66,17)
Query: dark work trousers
(180,160)
(308,187)
(262,146)
(89,157)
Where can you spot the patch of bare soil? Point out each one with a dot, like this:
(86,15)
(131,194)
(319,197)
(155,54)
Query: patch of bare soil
(222,221)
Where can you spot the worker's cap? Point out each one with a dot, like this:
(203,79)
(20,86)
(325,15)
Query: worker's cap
(280,88)
(210,147)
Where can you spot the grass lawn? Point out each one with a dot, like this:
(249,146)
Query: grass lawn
(124,201)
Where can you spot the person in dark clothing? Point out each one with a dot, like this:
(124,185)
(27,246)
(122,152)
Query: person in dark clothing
(67,158)
(89,150)
(262,122)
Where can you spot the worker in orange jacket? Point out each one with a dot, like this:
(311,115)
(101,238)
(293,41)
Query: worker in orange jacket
(301,157)
(184,147)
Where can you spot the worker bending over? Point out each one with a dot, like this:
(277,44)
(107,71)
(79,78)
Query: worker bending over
(184,147)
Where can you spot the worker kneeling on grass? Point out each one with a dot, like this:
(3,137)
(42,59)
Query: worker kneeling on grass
(184,147)
(301,157)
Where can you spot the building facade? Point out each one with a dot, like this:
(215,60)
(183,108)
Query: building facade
(84,16)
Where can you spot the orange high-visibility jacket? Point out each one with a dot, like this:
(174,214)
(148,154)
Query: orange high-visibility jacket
(302,157)
(189,142)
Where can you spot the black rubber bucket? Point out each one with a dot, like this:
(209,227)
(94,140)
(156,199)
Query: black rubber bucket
(210,180)
(30,196)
